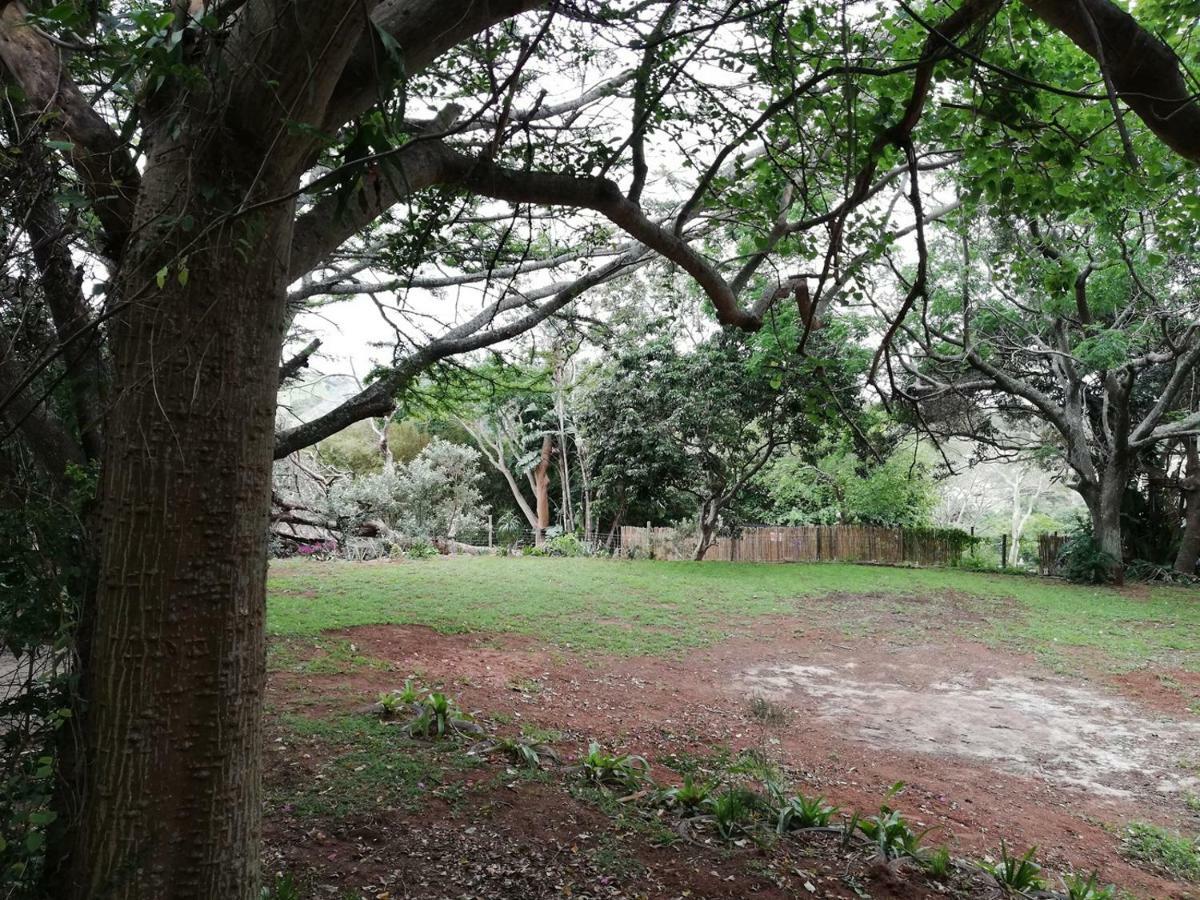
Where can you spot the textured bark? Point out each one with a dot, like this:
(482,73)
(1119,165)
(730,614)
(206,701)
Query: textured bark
(541,488)
(1104,505)
(1189,542)
(171,795)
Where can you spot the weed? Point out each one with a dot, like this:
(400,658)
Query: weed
(937,863)
(1192,802)
(1015,873)
(765,711)
(756,764)
(1163,850)
(604,768)
(890,832)
(689,797)
(804,812)
(892,836)
(526,753)
(439,717)
(734,811)
(1077,887)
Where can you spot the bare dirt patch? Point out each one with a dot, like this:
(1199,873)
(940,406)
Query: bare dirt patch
(990,743)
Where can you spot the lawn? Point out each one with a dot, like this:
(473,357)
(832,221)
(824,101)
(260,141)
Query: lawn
(651,607)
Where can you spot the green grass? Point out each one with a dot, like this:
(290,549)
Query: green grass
(1164,850)
(365,764)
(651,607)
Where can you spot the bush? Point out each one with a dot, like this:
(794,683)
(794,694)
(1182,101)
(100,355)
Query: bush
(1082,560)
(565,545)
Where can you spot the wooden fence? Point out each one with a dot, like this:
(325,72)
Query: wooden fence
(1049,546)
(805,543)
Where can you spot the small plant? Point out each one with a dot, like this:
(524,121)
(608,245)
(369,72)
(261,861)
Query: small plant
(390,703)
(733,811)
(1173,853)
(937,863)
(890,832)
(688,797)
(525,753)
(408,694)
(420,550)
(1077,887)
(892,836)
(1016,873)
(804,812)
(439,717)
(767,712)
(608,769)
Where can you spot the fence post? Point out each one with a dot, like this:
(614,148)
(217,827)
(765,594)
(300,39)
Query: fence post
(489,532)
(1004,551)
(818,527)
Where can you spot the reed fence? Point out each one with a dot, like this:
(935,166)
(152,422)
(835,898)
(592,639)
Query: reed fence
(807,543)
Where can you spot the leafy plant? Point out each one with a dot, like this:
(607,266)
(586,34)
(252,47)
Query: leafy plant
(734,809)
(1079,888)
(804,812)
(439,717)
(1015,873)
(565,545)
(526,753)
(1082,560)
(390,703)
(890,832)
(284,888)
(688,797)
(409,693)
(606,768)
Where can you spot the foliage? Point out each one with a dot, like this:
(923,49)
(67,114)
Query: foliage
(437,717)
(1015,873)
(938,863)
(432,496)
(1077,887)
(890,832)
(734,810)
(1082,560)
(689,797)
(608,769)
(44,576)
(1173,853)
(837,486)
(804,812)
(565,545)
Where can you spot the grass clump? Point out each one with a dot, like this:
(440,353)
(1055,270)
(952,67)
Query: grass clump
(1165,850)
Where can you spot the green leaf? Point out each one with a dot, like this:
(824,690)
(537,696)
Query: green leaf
(161,277)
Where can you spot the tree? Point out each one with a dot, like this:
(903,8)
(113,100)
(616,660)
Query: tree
(209,164)
(1084,330)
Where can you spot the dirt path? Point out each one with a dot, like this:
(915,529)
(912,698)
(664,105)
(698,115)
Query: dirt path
(989,744)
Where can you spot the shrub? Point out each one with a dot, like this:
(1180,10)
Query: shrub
(1082,560)
(565,545)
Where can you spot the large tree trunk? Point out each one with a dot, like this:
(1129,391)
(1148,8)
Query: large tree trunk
(171,793)
(1104,505)
(710,517)
(1189,542)
(541,487)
